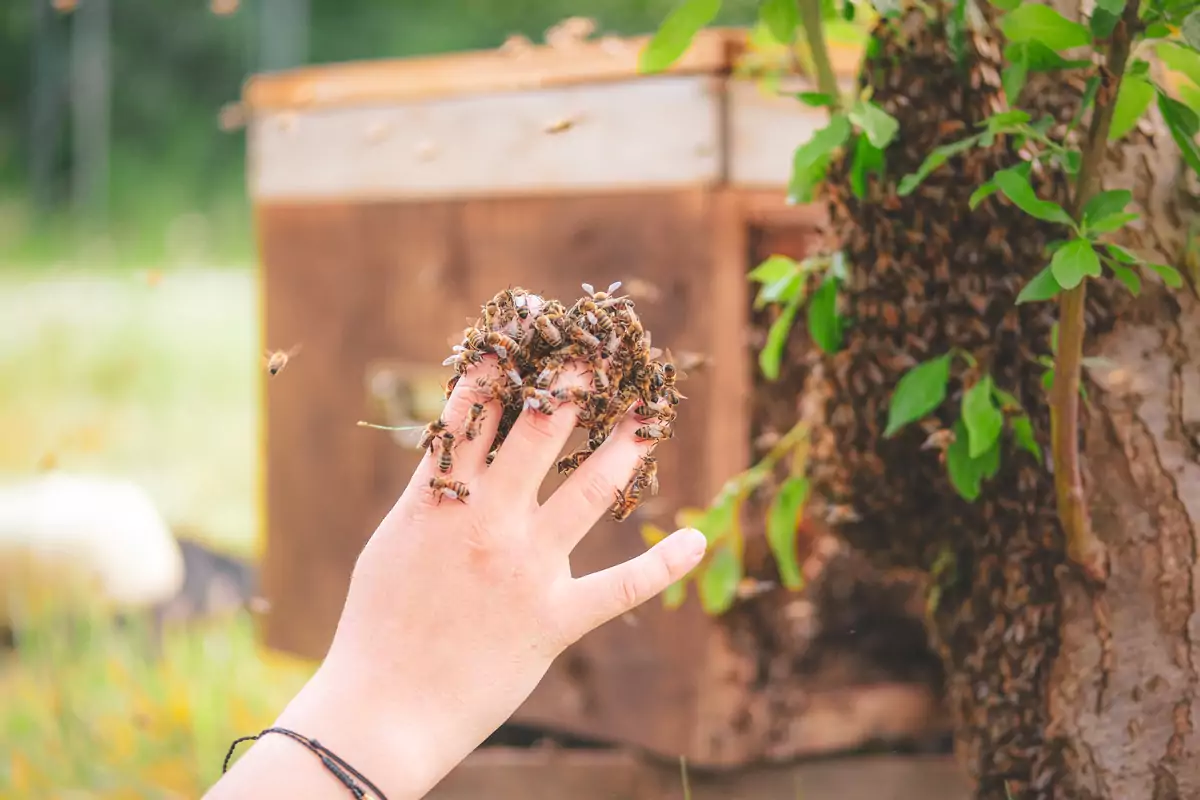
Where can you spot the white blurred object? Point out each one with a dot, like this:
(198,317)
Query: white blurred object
(71,539)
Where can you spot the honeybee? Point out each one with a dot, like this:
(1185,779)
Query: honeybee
(570,463)
(446,458)
(547,330)
(537,400)
(645,479)
(501,345)
(547,376)
(463,358)
(474,418)
(572,394)
(840,515)
(451,383)
(579,335)
(748,588)
(491,456)
(449,489)
(653,432)
(474,338)
(601,297)
(432,431)
(670,374)
(276,360)
(521,304)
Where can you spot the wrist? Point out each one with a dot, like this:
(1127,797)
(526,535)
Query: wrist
(376,733)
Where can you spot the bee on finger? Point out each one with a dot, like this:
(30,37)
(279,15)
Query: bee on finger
(474,418)
(570,463)
(538,400)
(446,457)
(474,339)
(445,488)
(276,360)
(544,325)
(432,431)
(654,432)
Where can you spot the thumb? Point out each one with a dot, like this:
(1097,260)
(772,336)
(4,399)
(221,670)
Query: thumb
(607,594)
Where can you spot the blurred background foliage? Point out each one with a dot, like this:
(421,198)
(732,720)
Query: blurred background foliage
(175,179)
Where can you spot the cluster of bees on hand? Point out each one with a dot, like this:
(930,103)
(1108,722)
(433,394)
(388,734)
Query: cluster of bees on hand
(534,339)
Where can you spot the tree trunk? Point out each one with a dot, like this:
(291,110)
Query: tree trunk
(1058,690)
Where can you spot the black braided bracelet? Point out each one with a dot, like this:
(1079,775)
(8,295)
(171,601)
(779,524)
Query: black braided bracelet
(340,769)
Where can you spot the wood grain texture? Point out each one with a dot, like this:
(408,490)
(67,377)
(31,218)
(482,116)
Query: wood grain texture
(504,774)
(384,82)
(655,132)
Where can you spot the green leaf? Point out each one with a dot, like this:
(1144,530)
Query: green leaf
(1006,120)
(1042,286)
(1170,275)
(1157,30)
(781,17)
(1007,400)
(1181,122)
(1013,77)
(982,419)
(780,291)
(719,582)
(1111,223)
(824,323)
(1105,204)
(1030,22)
(674,595)
(1126,276)
(935,159)
(1133,98)
(982,193)
(815,99)
(867,159)
(772,353)
(1190,30)
(782,520)
(1073,262)
(920,391)
(879,126)
(1103,21)
(1006,5)
(1016,188)
(773,268)
(1121,254)
(675,34)
(967,474)
(814,155)
(848,11)
(1022,430)
(1180,59)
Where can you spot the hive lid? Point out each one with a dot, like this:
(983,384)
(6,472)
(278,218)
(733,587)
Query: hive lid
(713,51)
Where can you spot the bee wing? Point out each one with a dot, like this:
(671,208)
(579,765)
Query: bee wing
(655,353)
(587,287)
(519,301)
(295,350)
(515,377)
(612,287)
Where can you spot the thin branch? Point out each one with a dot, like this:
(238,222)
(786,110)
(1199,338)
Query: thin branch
(1082,545)
(814,36)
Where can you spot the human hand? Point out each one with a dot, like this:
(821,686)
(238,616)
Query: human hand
(456,609)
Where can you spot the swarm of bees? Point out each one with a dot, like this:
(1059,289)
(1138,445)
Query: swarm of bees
(534,339)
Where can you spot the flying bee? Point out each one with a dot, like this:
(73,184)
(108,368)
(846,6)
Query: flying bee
(474,418)
(276,360)
(547,330)
(840,515)
(445,459)
(432,431)
(654,432)
(449,489)
(501,345)
(537,400)
(748,588)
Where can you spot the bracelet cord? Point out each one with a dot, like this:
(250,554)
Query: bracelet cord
(332,761)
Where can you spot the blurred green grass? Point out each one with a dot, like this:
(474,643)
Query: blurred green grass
(152,376)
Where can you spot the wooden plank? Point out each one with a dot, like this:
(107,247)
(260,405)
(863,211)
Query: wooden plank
(653,133)
(341,282)
(548,774)
(385,82)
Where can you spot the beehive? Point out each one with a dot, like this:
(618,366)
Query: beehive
(392,198)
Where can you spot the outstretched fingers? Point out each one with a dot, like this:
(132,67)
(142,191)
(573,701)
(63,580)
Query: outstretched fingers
(470,417)
(602,596)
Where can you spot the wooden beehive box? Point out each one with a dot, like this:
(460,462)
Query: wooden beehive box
(392,198)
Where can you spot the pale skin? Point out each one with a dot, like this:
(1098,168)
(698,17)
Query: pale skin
(456,610)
